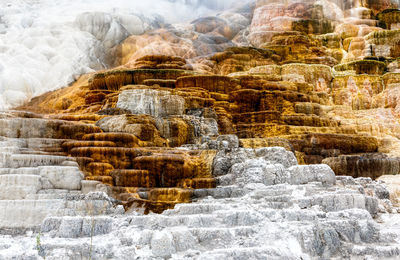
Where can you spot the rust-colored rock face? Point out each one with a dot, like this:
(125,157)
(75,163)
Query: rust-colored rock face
(320,78)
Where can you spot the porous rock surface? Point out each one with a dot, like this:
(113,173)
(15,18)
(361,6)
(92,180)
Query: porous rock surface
(265,132)
(281,210)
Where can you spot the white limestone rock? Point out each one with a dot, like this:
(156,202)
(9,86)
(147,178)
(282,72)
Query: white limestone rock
(103,26)
(33,160)
(23,214)
(17,186)
(266,207)
(258,171)
(64,177)
(302,174)
(74,227)
(89,186)
(225,159)
(151,102)
(162,244)
(29,127)
(277,155)
(209,127)
(227,142)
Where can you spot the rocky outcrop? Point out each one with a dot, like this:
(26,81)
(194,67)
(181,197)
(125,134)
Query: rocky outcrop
(268,197)
(37,179)
(188,124)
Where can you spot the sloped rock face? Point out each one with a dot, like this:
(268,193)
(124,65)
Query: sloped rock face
(275,120)
(263,195)
(38,179)
(312,82)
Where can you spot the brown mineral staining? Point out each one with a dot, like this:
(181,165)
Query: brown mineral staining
(77,131)
(63,100)
(364,165)
(115,79)
(389,17)
(160,62)
(321,80)
(116,159)
(72,144)
(371,67)
(119,139)
(237,59)
(99,169)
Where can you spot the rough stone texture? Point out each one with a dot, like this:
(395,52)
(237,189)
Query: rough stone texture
(193,113)
(302,174)
(151,102)
(315,217)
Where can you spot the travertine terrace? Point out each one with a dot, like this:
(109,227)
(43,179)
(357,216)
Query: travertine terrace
(267,131)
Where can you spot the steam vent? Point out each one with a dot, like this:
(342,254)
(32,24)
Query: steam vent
(200,129)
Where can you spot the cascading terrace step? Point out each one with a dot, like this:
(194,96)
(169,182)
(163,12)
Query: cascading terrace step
(256,253)
(34,160)
(190,209)
(190,221)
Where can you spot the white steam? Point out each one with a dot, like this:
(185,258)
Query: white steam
(45,44)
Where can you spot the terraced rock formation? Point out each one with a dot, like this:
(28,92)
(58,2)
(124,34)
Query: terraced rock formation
(207,140)
(38,179)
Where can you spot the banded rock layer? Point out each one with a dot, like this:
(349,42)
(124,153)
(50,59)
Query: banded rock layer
(241,114)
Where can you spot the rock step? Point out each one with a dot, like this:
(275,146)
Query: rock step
(21,171)
(190,221)
(191,209)
(17,187)
(51,194)
(255,253)
(276,205)
(275,190)
(53,153)
(45,150)
(387,251)
(289,215)
(9,149)
(36,170)
(43,143)
(219,192)
(12,143)
(224,218)
(50,177)
(34,160)
(72,144)
(217,238)
(29,214)
(77,226)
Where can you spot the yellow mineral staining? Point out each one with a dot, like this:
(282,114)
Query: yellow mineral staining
(363,67)
(324,86)
(133,178)
(389,17)
(160,62)
(67,99)
(120,139)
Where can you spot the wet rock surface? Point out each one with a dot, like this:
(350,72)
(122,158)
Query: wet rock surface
(264,132)
(303,210)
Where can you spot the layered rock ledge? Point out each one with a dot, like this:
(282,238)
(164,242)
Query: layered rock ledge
(266,132)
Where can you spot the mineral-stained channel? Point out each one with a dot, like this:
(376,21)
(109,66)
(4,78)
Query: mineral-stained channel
(267,131)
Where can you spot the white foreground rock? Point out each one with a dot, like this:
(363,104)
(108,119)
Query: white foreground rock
(35,185)
(152,102)
(266,207)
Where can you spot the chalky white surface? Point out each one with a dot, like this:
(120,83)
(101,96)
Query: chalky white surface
(45,44)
